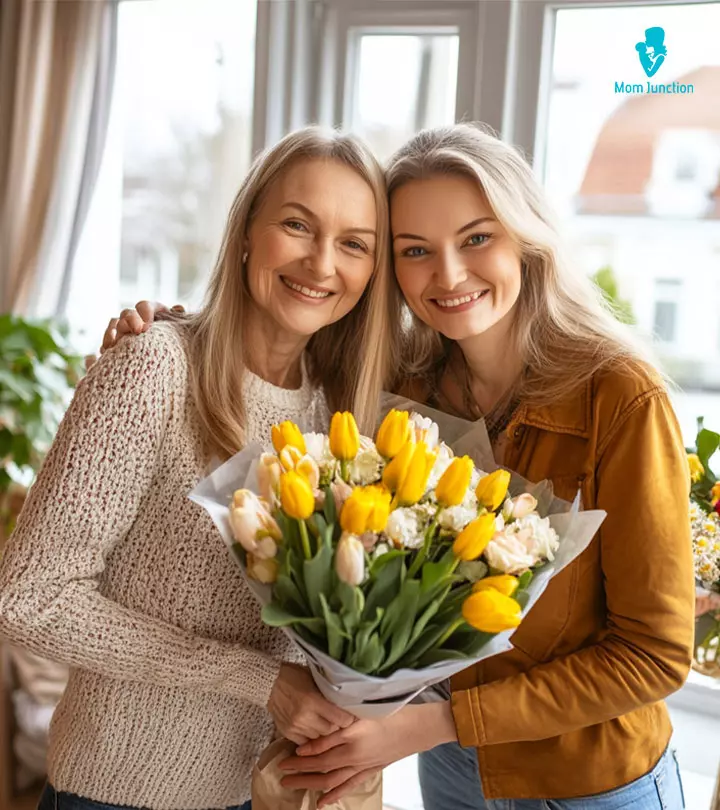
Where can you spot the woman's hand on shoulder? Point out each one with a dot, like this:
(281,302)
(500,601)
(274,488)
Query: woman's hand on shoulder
(133,322)
(130,322)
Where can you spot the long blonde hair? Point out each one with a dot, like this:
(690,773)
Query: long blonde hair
(563,328)
(348,358)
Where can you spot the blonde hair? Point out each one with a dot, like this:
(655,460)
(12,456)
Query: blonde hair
(563,328)
(348,358)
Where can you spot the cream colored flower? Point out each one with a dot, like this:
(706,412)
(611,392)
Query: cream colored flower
(253,526)
(406,527)
(350,559)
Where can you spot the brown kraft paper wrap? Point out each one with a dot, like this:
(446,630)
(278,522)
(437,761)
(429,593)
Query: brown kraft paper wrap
(269,794)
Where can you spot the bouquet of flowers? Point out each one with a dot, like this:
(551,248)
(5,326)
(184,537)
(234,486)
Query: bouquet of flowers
(394,562)
(705,523)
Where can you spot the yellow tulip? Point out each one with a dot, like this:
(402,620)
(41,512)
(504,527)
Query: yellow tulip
(490,611)
(287,433)
(344,436)
(269,471)
(715,494)
(697,471)
(289,456)
(413,485)
(473,539)
(296,495)
(492,489)
(366,510)
(504,583)
(454,482)
(397,469)
(392,434)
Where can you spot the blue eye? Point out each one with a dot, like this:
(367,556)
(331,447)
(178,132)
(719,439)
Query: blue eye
(478,239)
(295,225)
(415,252)
(355,245)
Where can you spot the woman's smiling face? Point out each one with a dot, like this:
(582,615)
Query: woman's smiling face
(458,268)
(311,246)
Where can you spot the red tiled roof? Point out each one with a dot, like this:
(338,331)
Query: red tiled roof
(620,166)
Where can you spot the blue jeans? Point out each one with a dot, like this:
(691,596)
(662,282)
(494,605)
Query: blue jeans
(449,780)
(52,800)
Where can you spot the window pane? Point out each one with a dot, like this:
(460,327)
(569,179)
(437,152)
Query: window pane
(178,146)
(403,83)
(633,164)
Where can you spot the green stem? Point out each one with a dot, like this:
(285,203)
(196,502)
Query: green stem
(343,471)
(446,635)
(305,540)
(422,554)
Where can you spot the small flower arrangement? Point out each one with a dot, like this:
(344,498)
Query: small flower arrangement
(705,527)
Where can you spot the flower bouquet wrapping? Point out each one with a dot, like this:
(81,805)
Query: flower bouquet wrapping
(705,524)
(392,562)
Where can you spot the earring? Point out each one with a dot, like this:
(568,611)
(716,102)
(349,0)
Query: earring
(244,257)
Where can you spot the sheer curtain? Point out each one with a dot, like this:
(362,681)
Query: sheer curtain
(57,62)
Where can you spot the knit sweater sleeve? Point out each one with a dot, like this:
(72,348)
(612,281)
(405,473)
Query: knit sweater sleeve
(83,503)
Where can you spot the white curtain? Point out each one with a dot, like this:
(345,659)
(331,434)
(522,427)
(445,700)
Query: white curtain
(57,60)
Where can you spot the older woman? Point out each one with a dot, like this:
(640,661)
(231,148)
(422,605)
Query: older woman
(114,571)
(504,327)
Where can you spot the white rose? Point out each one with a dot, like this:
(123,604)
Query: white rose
(366,467)
(444,458)
(523,505)
(539,539)
(456,518)
(505,553)
(425,430)
(317,445)
(405,527)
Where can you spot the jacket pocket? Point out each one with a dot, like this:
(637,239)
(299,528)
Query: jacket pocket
(542,628)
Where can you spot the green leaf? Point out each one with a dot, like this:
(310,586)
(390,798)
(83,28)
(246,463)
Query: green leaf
(380,562)
(19,386)
(330,508)
(318,577)
(371,658)
(385,586)
(439,655)
(427,614)
(275,616)
(524,580)
(334,629)
(362,639)
(399,620)
(287,594)
(352,602)
(707,444)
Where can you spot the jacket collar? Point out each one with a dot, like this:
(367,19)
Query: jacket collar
(571,415)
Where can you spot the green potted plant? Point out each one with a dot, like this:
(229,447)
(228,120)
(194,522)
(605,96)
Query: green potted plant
(38,371)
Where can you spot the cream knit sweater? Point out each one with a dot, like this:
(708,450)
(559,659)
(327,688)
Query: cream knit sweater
(113,571)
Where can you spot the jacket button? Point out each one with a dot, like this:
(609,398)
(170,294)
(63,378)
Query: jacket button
(518,432)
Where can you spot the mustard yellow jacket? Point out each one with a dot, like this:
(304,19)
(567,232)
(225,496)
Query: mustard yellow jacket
(576,707)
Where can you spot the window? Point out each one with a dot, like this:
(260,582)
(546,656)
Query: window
(389,104)
(641,171)
(178,147)
(665,320)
